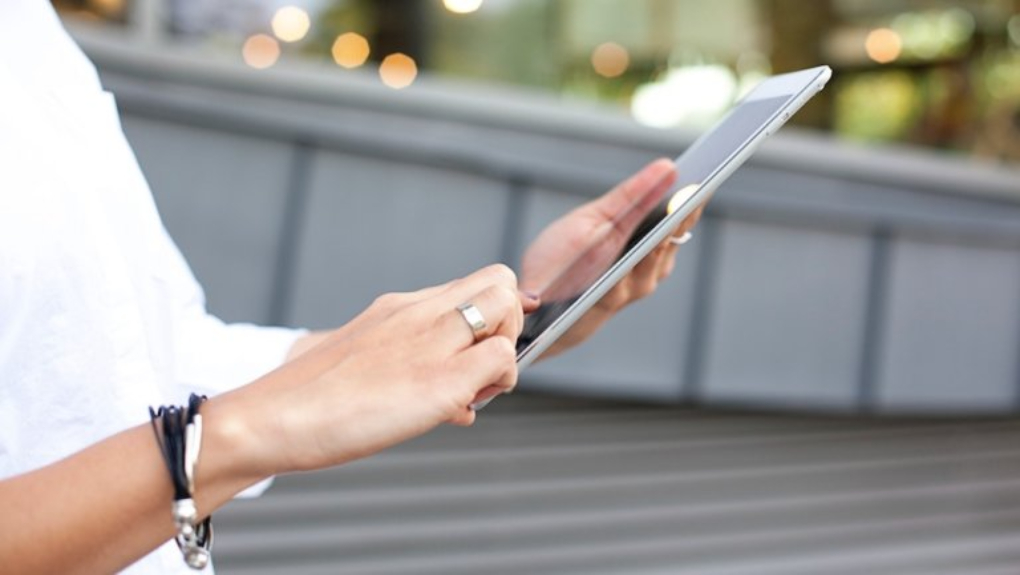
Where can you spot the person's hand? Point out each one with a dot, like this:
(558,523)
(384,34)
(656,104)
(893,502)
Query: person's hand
(586,241)
(408,363)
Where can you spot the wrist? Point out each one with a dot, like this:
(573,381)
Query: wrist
(231,454)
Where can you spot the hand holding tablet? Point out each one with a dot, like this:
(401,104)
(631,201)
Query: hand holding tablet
(598,245)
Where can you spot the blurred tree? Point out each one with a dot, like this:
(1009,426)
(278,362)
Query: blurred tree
(401,26)
(389,25)
(798,31)
(111,10)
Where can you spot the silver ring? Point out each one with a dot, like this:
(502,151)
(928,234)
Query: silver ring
(474,319)
(682,239)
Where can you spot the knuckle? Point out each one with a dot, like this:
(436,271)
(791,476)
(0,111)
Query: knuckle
(382,300)
(617,297)
(464,419)
(390,300)
(668,269)
(646,288)
(416,313)
(503,274)
(505,297)
(504,350)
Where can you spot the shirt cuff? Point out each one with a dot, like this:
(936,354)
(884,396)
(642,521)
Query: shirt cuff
(255,490)
(226,356)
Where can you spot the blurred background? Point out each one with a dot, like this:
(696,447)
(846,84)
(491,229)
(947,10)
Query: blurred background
(939,74)
(828,384)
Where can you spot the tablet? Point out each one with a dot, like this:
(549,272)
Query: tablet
(702,168)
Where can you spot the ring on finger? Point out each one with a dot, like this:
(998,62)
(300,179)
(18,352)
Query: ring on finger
(679,241)
(474,319)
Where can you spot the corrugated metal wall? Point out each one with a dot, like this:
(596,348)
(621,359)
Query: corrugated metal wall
(544,486)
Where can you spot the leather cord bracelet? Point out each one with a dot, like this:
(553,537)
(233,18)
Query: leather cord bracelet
(179,435)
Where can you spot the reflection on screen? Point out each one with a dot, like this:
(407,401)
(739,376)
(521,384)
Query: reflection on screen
(697,164)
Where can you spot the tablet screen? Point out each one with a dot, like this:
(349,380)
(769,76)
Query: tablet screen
(700,162)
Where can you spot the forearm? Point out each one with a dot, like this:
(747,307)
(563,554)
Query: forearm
(105,507)
(391,374)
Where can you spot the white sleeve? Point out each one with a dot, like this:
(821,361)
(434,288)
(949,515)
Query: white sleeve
(210,355)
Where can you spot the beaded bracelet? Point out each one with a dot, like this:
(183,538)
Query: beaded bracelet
(179,435)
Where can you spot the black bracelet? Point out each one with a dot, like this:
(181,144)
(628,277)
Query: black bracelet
(179,435)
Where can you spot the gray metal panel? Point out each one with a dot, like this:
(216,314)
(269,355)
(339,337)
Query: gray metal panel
(951,326)
(517,142)
(220,195)
(520,110)
(787,318)
(373,227)
(564,487)
(641,353)
(793,195)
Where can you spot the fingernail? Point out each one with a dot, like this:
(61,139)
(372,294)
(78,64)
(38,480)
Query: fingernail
(530,295)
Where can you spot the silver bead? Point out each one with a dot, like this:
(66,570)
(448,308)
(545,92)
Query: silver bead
(185,512)
(197,558)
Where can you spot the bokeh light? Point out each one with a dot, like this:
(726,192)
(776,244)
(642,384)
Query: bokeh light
(934,34)
(883,45)
(610,60)
(260,51)
(1013,27)
(350,50)
(398,71)
(694,96)
(462,6)
(291,23)
(878,105)
(108,7)
(962,56)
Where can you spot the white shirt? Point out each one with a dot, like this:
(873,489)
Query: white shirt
(100,316)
